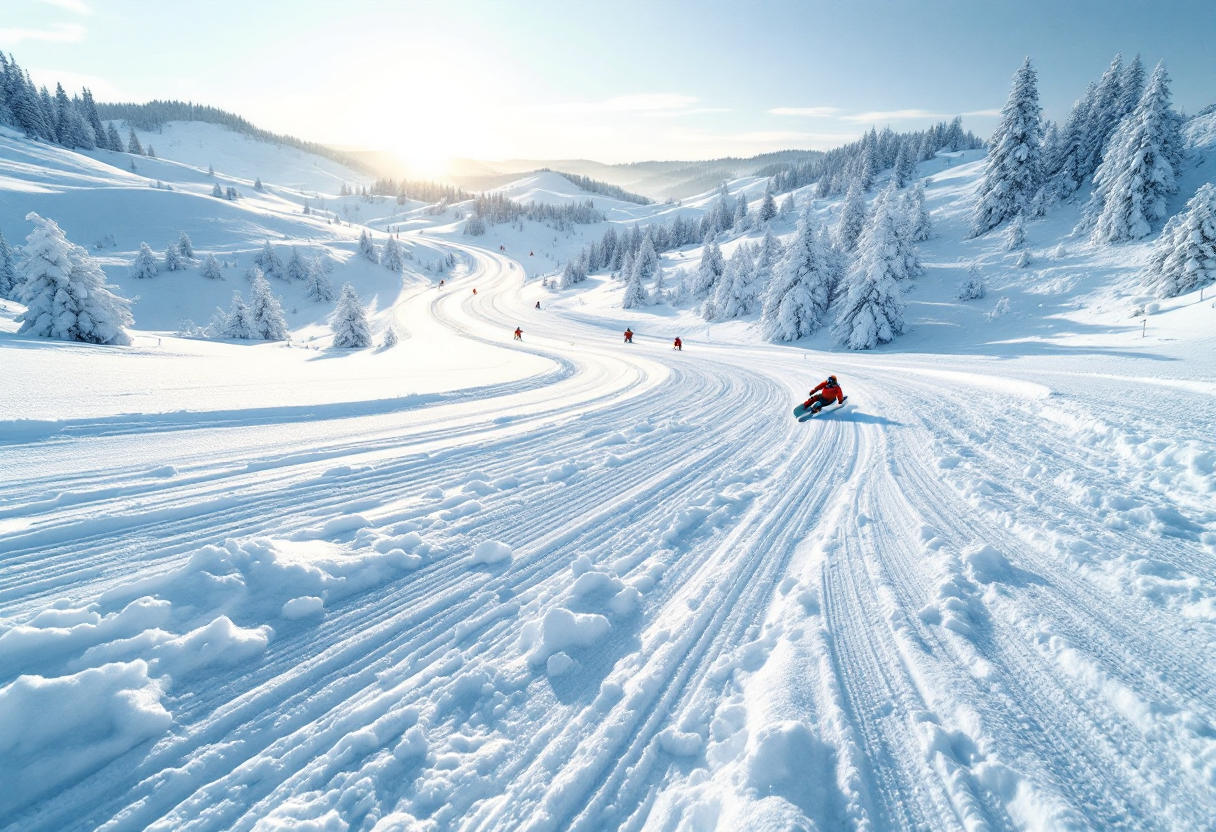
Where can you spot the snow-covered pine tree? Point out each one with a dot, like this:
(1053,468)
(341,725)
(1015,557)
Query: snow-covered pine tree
(269,262)
(1106,111)
(1184,256)
(390,338)
(368,248)
(133,145)
(1066,166)
(787,205)
(905,166)
(906,251)
(741,222)
(768,207)
(113,140)
(635,290)
(973,287)
(1015,234)
(257,184)
(185,247)
(266,311)
(646,263)
(65,291)
(8,270)
(394,258)
(210,170)
(852,217)
(349,322)
(316,284)
(658,289)
(173,259)
(151,152)
(1131,86)
(217,191)
(738,291)
(144,265)
(1014,173)
(705,279)
(804,280)
(872,309)
(1138,171)
(211,268)
(297,268)
(238,322)
(920,227)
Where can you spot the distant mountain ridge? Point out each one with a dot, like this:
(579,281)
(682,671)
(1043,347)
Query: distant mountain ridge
(660,180)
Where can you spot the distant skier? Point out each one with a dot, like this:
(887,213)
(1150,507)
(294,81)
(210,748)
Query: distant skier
(538,304)
(678,345)
(628,336)
(519,334)
(828,391)
(474,291)
(441,284)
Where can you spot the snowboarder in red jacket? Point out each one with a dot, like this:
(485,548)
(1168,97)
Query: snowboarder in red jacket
(519,334)
(628,336)
(828,391)
(678,345)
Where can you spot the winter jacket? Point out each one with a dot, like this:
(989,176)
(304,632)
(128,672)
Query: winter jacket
(830,392)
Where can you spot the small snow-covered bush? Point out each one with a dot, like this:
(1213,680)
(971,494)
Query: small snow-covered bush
(390,338)
(144,265)
(173,259)
(1001,309)
(973,287)
(211,268)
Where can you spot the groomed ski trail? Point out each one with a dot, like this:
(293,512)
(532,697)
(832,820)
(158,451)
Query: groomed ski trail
(935,610)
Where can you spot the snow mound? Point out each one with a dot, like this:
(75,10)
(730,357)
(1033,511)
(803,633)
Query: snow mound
(55,731)
(559,630)
(491,551)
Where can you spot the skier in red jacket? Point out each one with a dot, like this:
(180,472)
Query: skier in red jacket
(828,391)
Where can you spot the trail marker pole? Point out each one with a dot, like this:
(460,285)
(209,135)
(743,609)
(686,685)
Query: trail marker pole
(1144,329)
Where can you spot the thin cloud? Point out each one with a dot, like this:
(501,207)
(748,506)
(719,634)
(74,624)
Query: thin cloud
(893,115)
(812,112)
(58,33)
(78,6)
(909,115)
(641,103)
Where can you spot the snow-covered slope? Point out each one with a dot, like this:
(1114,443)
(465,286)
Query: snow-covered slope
(568,583)
(103,205)
(202,145)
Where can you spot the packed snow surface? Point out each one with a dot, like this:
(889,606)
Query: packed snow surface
(568,583)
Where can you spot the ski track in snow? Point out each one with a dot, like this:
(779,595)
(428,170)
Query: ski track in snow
(693,612)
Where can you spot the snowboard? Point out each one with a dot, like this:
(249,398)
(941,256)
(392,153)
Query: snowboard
(801,413)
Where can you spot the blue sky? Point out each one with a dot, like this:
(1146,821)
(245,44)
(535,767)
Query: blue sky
(614,81)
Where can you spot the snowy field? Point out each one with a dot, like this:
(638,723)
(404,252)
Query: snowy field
(568,583)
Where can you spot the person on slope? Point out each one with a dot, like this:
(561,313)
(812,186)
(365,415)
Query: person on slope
(824,394)
(519,334)
(441,284)
(628,336)
(538,304)
(678,345)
